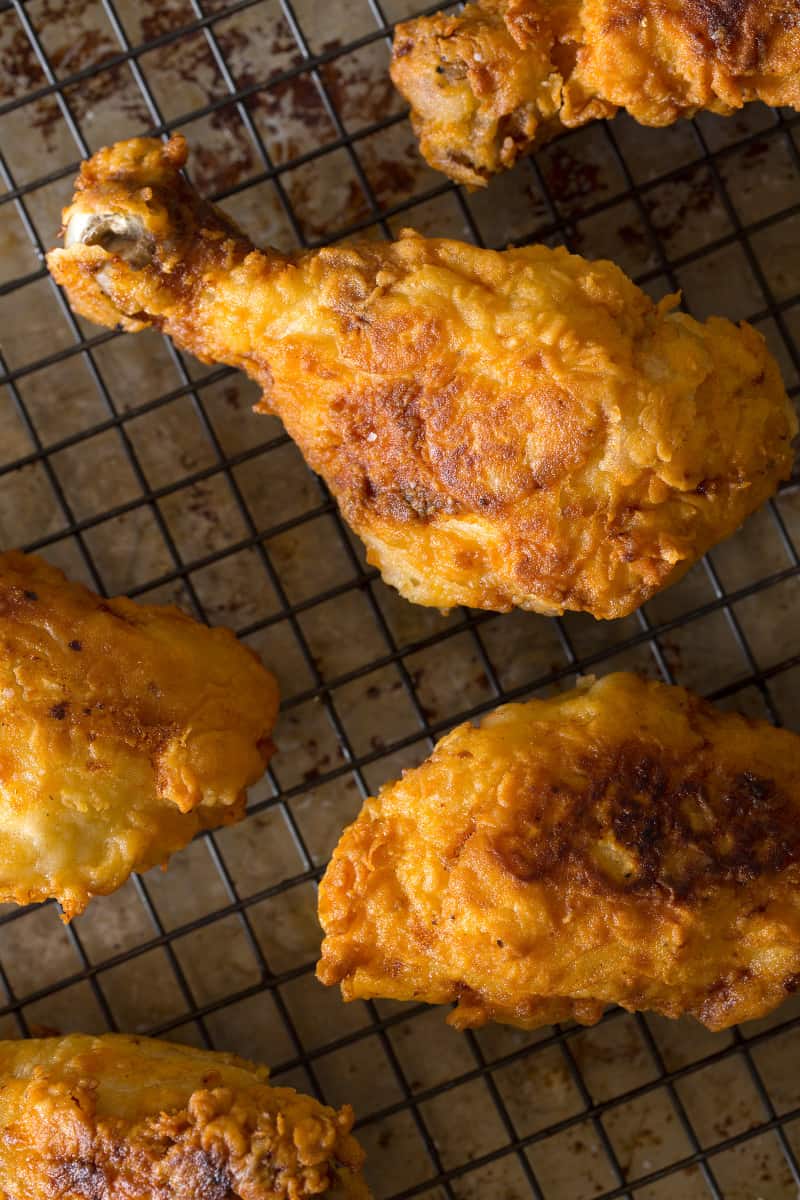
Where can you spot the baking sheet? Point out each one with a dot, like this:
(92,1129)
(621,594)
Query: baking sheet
(138,469)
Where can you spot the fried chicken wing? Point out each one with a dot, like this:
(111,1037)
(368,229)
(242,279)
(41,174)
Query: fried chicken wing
(504,76)
(124,729)
(521,428)
(622,843)
(127,1118)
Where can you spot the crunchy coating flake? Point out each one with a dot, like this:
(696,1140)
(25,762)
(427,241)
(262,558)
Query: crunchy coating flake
(124,729)
(494,82)
(622,843)
(128,1118)
(501,429)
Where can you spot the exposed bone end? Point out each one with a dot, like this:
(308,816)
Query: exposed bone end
(117,233)
(80,272)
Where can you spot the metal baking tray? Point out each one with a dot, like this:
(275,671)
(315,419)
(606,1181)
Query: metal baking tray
(140,470)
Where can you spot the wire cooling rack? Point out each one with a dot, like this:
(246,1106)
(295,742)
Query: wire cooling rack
(140,470)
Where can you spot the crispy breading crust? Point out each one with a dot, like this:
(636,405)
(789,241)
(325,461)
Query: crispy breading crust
(494,82)
(127,1118)
(623,843)
(124,729)
(502,429)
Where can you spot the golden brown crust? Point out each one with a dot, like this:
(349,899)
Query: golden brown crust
(494,82)
(125,1118)
(124,729)
(502,429)
(624,843)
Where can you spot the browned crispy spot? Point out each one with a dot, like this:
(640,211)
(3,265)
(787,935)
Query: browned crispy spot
(672,831)
(737,32)
(204,1177)
(15,601)
(80,1177)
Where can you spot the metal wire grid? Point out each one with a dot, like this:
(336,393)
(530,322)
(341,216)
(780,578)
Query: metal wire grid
(445,1174)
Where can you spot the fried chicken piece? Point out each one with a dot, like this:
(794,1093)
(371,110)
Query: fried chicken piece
(128,1118)
(495,82)
(124,729)
(501,429)
(622,843)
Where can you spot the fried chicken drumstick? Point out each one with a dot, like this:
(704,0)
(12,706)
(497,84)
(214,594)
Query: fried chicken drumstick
(623,843)
(127,1118)
(520,428)
(491,84)
(124,729)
